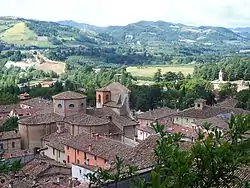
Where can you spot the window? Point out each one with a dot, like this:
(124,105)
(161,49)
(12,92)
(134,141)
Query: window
(99,98)
(71,105)
(198,105)
(53,151)
(78,162)
(82,105)
(67,147)
(67,159)
(77,151)
(107,97)
(80,171)
(85,156)
(13,144)
(95,157)
(59,106)
(59,154)
(1,146)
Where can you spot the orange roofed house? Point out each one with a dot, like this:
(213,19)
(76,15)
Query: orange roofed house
(86,152)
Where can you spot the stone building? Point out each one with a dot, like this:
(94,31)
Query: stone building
(10,141)
(200,111)
(70,113)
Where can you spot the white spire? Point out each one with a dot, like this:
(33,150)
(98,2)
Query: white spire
(220,75)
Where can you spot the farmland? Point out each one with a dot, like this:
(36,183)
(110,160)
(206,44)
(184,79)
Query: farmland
(148,71)
(57,67)
(20,34)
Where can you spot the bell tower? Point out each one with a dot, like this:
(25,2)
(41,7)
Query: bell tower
(102,97)
(220,75)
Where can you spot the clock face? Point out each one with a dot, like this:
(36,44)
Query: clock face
(59,106)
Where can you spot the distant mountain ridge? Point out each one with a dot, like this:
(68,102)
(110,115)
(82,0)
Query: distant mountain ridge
(153,37)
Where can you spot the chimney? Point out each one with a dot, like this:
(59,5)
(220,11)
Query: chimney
(60,127)
(96,136)
(89,147)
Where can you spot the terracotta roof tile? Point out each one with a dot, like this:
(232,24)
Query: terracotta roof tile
(214,121)
(114,87)
(143,155)
(103,147)
(58,140)
(228,103)
(85,120)
(37,102)
(67,95)
(41,119)
(209,111)
(9,135)
(119,121)
(157,114)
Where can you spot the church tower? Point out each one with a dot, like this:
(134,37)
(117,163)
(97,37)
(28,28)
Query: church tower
(221,76)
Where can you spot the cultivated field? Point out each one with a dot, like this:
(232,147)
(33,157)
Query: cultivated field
(20,34)
(57,67)
(148,71)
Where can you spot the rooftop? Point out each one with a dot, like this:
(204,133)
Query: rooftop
(58,140)
(228,103)
(69,95)
(100,146)
(37,102)
(143,155)
(119,121)
(115,86)
(9,135)
(214,121)
(209,111)
(41,119)
(86,120)
(157,114)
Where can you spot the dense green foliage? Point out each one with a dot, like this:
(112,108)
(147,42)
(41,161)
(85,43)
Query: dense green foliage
(236,68)
(212,161)
(10,125)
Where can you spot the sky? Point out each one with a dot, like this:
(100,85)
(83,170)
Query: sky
(226,13)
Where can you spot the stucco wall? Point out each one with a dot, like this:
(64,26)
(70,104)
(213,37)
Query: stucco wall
(11,144)
(80,172)
(69,107)
(129,132)
(142,135)
(78,157)
(102,129)
(31,134)
(55,154)
(184,121)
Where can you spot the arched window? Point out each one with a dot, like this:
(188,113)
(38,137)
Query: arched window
(82,105)
(71,105)
(99,98)
(59,105)
(107,97)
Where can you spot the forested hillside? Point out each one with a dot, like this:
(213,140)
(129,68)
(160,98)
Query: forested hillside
(135,44)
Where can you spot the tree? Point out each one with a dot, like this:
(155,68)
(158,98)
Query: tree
(158,76)
(10,125)
(214,160)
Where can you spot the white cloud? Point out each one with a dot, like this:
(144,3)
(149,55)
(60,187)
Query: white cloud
(227,13)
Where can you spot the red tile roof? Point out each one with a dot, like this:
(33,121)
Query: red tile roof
(102,147)
(115,86)
(69,95)
(9,135)
(157,114)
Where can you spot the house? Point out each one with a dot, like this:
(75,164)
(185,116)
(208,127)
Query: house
(203,111)
(163,116)
(53,144)
(10,141)
(93,150)
(88,152)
